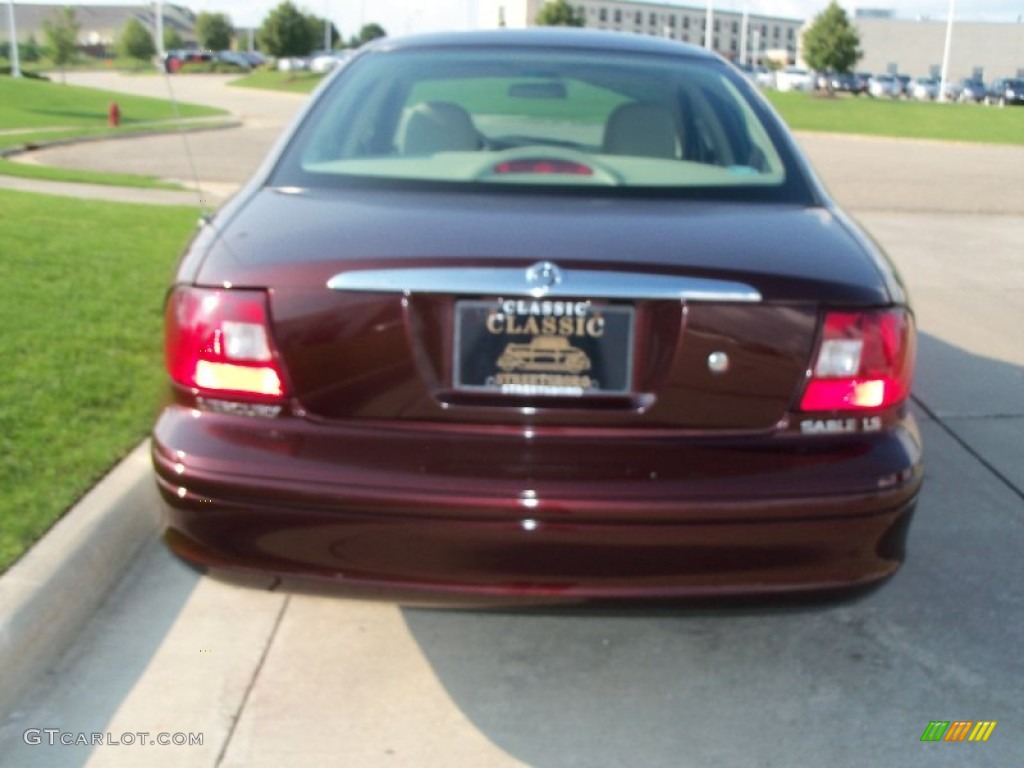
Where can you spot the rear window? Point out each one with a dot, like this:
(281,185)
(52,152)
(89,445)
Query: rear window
(527,116)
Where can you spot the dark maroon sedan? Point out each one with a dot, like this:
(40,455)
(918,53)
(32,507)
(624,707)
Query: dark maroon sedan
(539,315)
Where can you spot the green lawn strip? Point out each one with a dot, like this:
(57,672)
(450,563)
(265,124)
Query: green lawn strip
(35,104)
(50,173)
(293,82)
(900,119)
(83,291)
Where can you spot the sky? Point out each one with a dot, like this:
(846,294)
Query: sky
(405,16)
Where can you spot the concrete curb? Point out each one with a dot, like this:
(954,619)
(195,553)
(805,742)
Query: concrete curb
(109,192)
(49,595)
(172,129)
(104,192)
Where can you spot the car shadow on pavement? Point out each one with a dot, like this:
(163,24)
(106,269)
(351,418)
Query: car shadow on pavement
(850,684)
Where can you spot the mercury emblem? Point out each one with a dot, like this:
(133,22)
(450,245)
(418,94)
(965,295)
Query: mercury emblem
(542,277)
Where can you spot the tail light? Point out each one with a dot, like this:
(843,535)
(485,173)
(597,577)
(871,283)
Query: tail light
(865,361)
(219,342)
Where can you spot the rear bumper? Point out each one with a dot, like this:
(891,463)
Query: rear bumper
(286,503)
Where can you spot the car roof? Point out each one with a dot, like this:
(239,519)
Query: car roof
(542,37)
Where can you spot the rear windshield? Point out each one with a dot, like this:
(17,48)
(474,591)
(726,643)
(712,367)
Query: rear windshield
(526,116)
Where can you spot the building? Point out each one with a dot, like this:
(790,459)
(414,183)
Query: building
(874,13)
(742,39)
(101,24)
(988,50)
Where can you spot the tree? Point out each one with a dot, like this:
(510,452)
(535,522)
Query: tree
(286,32)
(317,25)
(172,39)
(214,31)
(30,50)
(558,13)
(135,41)
(62,37)
(831,42)
(369,32)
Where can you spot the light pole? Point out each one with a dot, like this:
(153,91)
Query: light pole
(327,26)
(945,54)
(744,34)
(15,61)
(158,28)
(708,22)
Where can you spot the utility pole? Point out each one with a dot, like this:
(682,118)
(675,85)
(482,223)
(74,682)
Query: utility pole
(327,26)
(12,29)
(945,56)
(158,28)
(744,35)
(708,23)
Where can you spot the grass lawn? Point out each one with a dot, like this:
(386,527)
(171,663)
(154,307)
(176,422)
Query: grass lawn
(34,111)
(81,317)
(902,119)
(33,104)
(49,173)
(294,82)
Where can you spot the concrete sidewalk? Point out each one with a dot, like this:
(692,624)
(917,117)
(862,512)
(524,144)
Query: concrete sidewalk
(50,593)
(103,192)
(225,158)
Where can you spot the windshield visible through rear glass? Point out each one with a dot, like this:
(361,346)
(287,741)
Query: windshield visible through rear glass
(528,116)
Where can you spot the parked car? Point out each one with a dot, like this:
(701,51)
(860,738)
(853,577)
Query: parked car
(884,86)
(255,58)
(175,59)
(325,61)
(794,79)
(292,64)
(322,61)
(764,77)
(925,89)
(237,58)
(445,347)
(847,82)
(905,85)
(1005,90)
(970,89)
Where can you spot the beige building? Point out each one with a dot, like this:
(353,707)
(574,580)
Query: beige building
(752,39)
(916,47)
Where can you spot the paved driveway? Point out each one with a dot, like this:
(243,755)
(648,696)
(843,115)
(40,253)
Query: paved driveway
(275,680)
(224,159)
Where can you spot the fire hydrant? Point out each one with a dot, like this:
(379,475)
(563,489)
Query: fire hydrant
(114,115)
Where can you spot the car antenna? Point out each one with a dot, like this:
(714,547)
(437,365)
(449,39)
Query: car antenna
(205,209)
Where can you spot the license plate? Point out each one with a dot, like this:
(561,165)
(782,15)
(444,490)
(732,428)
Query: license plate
(543,347)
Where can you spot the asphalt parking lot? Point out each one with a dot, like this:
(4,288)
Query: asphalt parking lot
(275,680)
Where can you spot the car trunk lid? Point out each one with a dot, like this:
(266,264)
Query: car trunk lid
(442,308)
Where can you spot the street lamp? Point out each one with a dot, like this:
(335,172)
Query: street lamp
(708,22)
(945,54)
(327,26)
(744,35)
(158,29)
(15,62)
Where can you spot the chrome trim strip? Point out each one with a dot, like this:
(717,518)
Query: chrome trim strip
(510,282)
